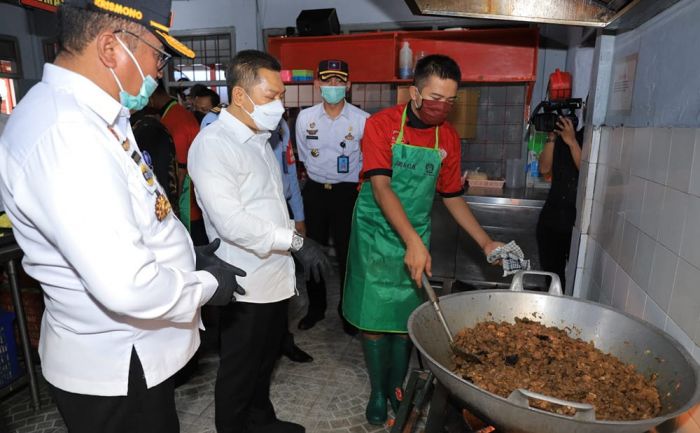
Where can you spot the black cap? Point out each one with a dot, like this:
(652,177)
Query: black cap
(155,15)
(333,68)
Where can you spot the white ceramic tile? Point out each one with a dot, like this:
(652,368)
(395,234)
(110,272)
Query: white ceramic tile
(615,190)
(628,247)
(679,334)
(601,183)
(684,307)
(373,93)
(651,208)
(594,293)
(663,276)
(681,158)
(672,217)
(622,282)
(594,261)
(633,200)
(659,154)
(590,180)
(604,145)
(358,92)
(627,150)
(654,314)
(306,94)
(636,298)
(694,187)
(690,246)
(617,234)
(615,148)
(643,257)
(591,144)
(582,283)
(596,225)
(291,94)
(608,282)
(586,213)
(696,335)
(640,156)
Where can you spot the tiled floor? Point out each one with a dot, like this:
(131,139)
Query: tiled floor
(327,395)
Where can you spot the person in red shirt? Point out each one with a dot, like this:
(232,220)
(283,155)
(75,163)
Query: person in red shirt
(409,152)
(183,127)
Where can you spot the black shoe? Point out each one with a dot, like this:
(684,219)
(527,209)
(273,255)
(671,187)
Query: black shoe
(349,328)
(279,427)
(295,354)
(309,321)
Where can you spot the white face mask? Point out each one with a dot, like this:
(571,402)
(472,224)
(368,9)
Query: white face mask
(267,116)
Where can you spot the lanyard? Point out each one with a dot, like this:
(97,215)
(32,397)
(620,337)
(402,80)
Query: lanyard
(399,139)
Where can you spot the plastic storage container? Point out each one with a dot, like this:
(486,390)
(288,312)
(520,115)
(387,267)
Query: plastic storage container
(9,367)
(405,61)
(559,87)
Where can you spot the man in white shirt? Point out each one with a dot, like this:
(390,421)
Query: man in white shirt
(116,266)
(239,189)
(328,140)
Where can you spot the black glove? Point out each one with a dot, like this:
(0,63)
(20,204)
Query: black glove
(224,273)
(314,260)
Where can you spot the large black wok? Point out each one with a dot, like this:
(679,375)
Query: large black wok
(630,339)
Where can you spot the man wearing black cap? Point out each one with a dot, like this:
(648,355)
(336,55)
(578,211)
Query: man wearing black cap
(328,140)
(117,268)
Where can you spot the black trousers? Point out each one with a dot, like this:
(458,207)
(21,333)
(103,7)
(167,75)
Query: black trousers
(328,212)
(251,339)
(553,243)
(142,410)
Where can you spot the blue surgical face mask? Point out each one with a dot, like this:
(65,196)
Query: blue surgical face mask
(333,94)
(148,86)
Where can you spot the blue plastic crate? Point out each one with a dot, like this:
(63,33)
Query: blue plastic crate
(9,367)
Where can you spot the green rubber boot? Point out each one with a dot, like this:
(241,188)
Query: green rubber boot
(400,353)
(377,359)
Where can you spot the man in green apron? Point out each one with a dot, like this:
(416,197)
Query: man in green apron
(409,152)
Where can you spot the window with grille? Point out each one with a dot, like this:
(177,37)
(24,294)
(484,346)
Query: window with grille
(9,58)
(213,49)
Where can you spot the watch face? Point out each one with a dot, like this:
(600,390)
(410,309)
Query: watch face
(297,242)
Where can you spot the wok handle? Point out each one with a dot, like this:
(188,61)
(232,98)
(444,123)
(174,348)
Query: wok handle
(554,287)
(436,305)
(584,411)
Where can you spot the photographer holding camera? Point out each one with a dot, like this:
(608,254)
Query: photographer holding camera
(560,159)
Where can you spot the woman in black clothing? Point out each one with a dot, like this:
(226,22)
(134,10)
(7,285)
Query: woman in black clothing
(561,158)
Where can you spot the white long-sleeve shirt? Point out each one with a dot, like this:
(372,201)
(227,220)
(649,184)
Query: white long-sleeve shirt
(239,189)
(113,275)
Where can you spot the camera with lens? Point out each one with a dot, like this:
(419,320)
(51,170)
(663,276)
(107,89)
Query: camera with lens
(545,116)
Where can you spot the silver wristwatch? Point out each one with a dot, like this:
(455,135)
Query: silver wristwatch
(297,242)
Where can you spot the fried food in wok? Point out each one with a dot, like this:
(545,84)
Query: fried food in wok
(547,360)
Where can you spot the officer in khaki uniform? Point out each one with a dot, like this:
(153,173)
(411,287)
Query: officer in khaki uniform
(328,141)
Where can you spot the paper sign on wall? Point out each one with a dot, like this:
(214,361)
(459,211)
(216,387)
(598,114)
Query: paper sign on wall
(623,83)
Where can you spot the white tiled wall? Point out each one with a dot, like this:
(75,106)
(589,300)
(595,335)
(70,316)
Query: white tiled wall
(642,247)
(639,224)
(642,250)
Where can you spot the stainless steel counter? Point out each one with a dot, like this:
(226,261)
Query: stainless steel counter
(505,215)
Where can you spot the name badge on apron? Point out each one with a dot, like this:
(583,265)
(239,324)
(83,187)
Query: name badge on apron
(343,164)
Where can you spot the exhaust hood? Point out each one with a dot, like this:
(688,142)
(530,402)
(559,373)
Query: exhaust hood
(610,14)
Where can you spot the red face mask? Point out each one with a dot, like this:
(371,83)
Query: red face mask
(434,112)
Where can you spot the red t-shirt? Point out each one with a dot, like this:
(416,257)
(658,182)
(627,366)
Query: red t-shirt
(381,131)
(183,127)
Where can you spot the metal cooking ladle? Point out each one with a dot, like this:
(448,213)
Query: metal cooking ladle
(470,357)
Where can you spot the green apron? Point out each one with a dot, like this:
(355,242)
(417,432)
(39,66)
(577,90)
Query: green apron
(379,292)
